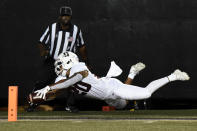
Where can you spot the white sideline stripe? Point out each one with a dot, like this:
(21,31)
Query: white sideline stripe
(86,116)
(52,116)
(81,120)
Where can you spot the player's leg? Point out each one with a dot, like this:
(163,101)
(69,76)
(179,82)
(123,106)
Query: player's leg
(134,70)
(70,106)
(130,92)
(176,75)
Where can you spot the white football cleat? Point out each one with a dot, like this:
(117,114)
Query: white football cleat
(179,75)
(137,68)
(114,70)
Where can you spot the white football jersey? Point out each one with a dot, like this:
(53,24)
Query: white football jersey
(90,86)
(97,88)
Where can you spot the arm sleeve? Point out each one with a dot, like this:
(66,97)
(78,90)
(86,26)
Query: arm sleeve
(68,82)
(45,36)
(80,41)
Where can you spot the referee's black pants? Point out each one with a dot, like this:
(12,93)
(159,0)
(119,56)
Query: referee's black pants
(48,76)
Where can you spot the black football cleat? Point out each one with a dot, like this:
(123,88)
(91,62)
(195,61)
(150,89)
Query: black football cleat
(31,103)
(71,109)
(31,107)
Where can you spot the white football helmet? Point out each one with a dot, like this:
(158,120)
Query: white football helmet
(64,62)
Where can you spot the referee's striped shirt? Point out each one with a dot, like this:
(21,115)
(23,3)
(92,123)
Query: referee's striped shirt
(59,40)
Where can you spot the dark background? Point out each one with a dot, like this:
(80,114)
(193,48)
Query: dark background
(159,33)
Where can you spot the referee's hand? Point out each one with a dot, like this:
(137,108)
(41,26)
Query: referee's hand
(45,54)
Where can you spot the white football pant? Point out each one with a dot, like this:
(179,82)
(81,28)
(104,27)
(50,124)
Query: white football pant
(123,92)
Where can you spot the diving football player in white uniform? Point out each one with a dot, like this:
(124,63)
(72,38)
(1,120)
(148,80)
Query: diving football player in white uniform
(75,74)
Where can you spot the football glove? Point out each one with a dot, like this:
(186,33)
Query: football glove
(42,92)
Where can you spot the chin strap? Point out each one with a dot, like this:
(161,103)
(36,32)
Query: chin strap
(64,73)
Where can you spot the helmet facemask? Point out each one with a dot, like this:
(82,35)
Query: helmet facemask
(65,62)
(58,67)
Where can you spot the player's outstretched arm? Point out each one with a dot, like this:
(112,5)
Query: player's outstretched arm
(62,84)
(65,83)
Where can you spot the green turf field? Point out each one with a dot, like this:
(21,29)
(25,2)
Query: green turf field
(99,125)
(140,120)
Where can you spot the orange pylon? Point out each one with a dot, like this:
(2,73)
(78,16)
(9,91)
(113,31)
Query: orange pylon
(12,103)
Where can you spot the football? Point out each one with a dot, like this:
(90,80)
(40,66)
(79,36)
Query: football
(34,99)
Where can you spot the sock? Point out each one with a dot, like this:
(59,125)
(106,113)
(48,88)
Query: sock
(131,75)
(172,77)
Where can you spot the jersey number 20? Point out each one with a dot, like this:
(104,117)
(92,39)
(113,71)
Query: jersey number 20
(81,86)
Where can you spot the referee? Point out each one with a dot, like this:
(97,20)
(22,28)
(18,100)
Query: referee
(62,36)
(59,37)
